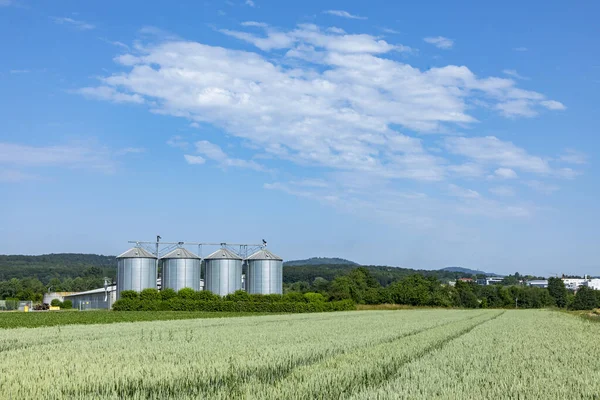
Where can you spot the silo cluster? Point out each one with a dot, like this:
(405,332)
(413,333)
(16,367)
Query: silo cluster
(137,269)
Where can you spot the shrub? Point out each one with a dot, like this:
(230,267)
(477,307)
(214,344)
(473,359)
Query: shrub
(238,295)
(186,293)
(206,295)
(314,297)
(67,304)
(56,303)
(129,294)
(294,297)
(149,295)
(167,294)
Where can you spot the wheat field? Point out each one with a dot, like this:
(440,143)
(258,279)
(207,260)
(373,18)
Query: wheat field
(406,354)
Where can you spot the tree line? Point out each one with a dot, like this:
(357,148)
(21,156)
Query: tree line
(362,287)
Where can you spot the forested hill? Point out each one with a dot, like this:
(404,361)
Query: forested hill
(48,266)
(320,261)
(385,275)
(68,265)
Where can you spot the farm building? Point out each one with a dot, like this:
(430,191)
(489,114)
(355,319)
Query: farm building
(102,298)
(490,280)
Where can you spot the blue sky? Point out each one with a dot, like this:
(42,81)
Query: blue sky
(422,135)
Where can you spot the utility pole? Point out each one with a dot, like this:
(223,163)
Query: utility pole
(516,302)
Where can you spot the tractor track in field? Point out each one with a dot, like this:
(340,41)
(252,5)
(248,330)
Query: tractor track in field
(234,381)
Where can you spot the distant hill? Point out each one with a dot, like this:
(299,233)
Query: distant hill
(48,266)
(468,271)
(319,261)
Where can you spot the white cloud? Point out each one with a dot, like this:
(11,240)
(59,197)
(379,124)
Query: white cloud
(15,176)
(326,99)
(194,160)
(567,173)
(573,157)
(80,155)
(343,14)
(391,31)
(111,94)
(115,43)
(491,150)
(80,25)
(215,153)
(514,74)
(254,24)
(505,173)
(337,30)
(504,191)
(250,3)
(440,42)
(178,142)
(542,187)
(457,191)
(553,105)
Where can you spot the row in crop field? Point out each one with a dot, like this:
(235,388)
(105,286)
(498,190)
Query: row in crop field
(13,320)
(412,354)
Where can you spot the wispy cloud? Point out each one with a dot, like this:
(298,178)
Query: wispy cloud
(520,49)
(250,3)
(5,3)
(15,176)
(80,155)
(19,71)
(553,105)
(440,42)
(391,31)
(573,157)
(254,24)
(194,160)
(115,43)
(343,14)
(81,25)
(332,115)
(542,187)
(213,152)
(505,191)
(514,74)
(111,94)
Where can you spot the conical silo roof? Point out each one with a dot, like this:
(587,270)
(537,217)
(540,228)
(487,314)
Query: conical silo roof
(137,252)
(223,254)
(264,254)
(180,252)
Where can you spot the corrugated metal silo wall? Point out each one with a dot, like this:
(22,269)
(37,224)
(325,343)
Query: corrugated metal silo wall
(179,273)
(136,274)
(265,277)
(223,276)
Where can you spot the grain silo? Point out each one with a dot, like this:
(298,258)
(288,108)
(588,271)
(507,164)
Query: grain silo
(180,269)
(136,270)
(223,272)
(265,273)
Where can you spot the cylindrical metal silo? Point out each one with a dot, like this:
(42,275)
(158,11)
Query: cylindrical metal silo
(265,273)
(136,270)
(180,269)
(223,272)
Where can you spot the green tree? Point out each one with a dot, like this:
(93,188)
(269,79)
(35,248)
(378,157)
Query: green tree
(585,299)
(558,291)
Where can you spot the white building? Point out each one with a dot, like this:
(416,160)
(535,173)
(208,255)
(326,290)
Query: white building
(490,280)
(573,283)
(541,283)
(592,283)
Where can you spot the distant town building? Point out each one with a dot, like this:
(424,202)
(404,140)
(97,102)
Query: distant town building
(592,284)
(541,283)
(465,279)
(573,283)
(490,280)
